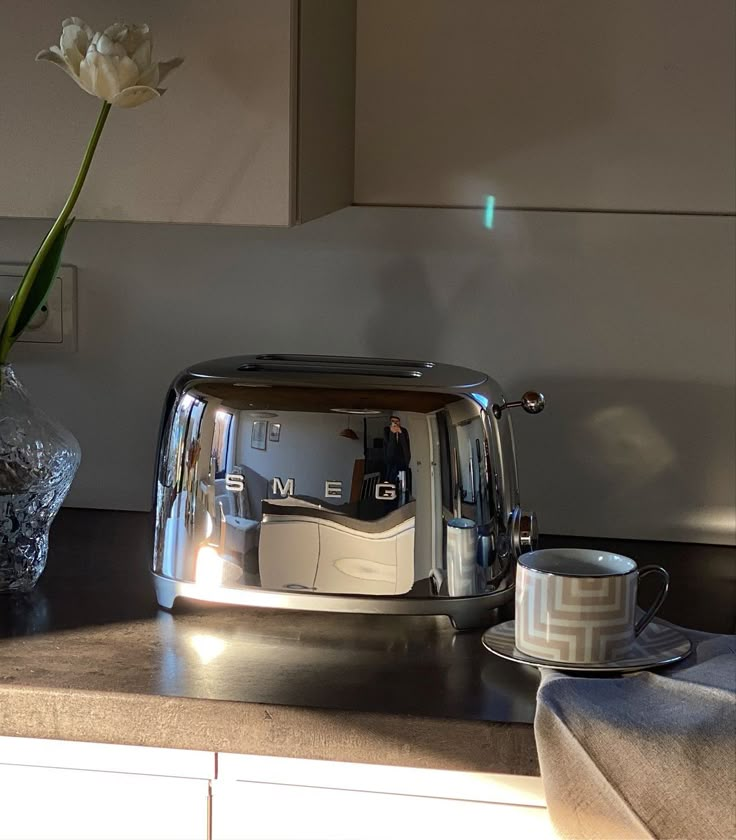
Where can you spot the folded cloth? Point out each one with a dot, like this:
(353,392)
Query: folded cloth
(651,754)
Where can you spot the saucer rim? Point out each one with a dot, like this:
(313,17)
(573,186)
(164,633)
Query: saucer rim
(611,666)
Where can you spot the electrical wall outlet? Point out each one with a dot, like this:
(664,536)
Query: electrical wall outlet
(55,324)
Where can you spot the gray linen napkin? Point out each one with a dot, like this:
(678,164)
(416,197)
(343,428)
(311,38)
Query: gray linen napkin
(651,754)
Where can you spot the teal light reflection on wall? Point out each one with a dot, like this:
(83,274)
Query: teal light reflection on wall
(488,214)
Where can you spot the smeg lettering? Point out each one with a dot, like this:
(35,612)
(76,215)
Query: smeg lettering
(384,490)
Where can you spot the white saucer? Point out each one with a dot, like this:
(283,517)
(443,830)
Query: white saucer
(659,644)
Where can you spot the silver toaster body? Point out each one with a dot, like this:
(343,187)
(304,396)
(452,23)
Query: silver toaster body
(344,484)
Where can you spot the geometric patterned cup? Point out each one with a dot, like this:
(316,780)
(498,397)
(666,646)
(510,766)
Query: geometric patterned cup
(578,605)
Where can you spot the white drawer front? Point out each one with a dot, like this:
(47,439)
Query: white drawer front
(257,811)
(41,803)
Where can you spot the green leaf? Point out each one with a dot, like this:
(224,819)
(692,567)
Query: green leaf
(43,281)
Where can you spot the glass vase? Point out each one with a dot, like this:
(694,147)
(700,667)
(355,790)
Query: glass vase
(38,461)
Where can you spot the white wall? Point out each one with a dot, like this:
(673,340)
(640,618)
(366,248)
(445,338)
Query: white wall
(625,321)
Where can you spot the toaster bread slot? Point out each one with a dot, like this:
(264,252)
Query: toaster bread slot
(339,362)
(327,365)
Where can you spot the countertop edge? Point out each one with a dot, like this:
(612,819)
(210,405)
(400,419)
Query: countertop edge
(267,729)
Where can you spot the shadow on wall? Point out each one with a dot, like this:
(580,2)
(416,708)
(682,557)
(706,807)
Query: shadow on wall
(411,321)
(641,453)
(407,312)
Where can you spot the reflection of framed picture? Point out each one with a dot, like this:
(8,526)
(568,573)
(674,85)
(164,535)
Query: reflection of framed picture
(274,433)
(258,434)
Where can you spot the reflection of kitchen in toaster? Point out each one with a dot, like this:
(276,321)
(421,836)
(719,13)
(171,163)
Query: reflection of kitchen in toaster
(306,546)
(324,506)
(315,510)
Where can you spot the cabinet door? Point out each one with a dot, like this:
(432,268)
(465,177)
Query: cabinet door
(216,148)
(264,811)
(579,104)
(42,803)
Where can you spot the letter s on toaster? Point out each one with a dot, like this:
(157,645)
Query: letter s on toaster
(236,483)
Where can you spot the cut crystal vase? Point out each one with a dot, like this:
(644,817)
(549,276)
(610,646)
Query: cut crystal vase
(38,461)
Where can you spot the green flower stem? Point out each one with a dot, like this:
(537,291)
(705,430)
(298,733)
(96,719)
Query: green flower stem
(26,284)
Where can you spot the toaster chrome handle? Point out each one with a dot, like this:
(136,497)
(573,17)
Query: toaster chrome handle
(532,402)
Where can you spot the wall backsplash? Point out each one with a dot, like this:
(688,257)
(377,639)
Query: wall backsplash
(625,321)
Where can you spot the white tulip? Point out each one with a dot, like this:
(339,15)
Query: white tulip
(114,65)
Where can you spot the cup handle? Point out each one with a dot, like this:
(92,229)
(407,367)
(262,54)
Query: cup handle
(658,601)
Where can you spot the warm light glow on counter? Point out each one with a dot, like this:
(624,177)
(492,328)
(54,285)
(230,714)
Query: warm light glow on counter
(209,568)
(207,647)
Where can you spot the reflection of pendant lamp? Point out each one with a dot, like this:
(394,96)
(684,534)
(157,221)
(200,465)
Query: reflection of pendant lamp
(348,433)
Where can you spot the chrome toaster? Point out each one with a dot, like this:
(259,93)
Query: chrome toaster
(342,484)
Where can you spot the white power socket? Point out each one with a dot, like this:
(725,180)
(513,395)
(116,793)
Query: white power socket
(54,325)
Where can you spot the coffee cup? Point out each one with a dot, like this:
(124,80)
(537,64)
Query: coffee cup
(578,605)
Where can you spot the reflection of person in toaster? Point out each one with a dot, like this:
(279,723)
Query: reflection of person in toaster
(397,451)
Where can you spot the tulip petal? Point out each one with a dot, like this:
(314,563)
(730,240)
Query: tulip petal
(74,43)
(127,72)
(149,76)
(132,37)
(165,67)
(55,57)
(116,31)
(137,34)
(73,58)
(133,96)
(98,74)
(106,46)
(77,21)
(142,54)
(86,78)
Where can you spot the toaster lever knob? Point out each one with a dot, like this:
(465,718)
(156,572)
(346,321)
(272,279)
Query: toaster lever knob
(532,402)
(524,531)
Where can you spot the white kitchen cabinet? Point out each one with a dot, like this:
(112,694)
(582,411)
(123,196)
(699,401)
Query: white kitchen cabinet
(340,801)
(256,127)
(123,792)
(63,790)
(577,104)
